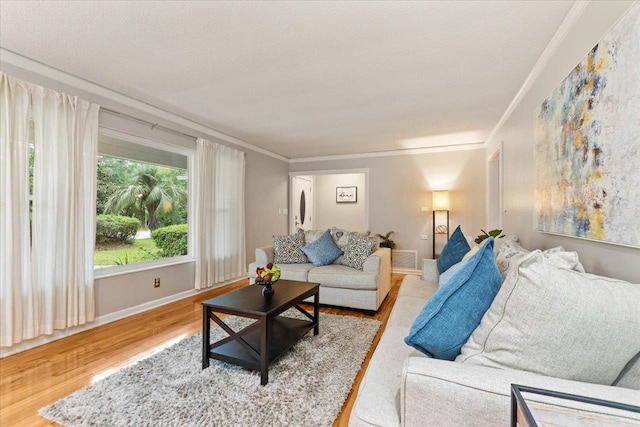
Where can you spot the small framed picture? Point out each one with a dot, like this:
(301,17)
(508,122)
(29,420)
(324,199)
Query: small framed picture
(346,194)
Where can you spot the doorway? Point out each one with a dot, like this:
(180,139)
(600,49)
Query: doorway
(302,206)
(316,201)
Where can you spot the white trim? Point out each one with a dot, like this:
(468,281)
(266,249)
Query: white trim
(147,142)
(63,77)
(365,171)
(567,23)
(410,271)
(496,155)
(117,270)
(107,318)
(389,153)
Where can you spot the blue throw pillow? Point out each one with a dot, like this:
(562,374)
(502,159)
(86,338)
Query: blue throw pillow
(323,250)
(455,310)
(453,251)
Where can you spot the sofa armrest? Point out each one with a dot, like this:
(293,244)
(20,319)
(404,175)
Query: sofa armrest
(264,255)
(374,261)
(430,271)
(439,392)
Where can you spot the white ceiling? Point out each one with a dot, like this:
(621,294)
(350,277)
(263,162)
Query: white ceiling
(301,79)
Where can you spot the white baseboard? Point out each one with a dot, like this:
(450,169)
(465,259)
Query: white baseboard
(103,320)
(411,271)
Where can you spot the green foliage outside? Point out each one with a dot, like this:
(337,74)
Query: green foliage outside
(156,195)
(116,228)
(172,240)
(141,250)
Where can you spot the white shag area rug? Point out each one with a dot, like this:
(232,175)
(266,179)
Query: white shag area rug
(307,386)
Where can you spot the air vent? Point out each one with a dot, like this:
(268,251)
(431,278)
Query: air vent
(403,260)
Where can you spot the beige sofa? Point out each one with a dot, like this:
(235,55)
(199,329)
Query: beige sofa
(340,285)
(403,387)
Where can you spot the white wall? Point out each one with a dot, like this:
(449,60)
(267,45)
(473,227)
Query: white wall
(517,134)
(329,213)
(400,185)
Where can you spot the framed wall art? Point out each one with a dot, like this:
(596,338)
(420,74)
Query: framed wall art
(346,194)
(587,144)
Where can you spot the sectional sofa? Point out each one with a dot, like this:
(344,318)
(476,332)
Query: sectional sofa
(404,387)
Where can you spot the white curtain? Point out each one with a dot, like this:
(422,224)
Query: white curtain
(47,280)
(219,214)
(18,298)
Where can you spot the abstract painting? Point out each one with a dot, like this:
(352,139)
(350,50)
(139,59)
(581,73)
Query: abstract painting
(587,143)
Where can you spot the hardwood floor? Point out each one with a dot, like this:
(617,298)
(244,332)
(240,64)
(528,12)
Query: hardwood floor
(37,377)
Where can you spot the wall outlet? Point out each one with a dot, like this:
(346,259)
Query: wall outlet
(424,209)
(424,237)
(156,282)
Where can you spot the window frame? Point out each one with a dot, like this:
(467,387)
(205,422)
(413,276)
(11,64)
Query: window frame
(116,270)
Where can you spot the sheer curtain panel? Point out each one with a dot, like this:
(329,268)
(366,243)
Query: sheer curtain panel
(64,208)
(219,214)
(18,298)
(46,267)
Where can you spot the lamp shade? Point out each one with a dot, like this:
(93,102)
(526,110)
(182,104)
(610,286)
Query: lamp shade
(440,201)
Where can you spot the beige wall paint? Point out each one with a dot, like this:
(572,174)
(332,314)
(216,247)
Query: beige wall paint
(517,134)
(348,216)
(400,185)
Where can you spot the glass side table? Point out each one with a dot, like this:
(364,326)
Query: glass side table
(554,410)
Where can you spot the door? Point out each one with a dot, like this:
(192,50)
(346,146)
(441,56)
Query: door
(302,204)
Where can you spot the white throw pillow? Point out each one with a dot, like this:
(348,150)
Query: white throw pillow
(555,321)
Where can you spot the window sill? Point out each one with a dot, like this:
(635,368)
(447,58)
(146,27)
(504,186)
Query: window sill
(101,273)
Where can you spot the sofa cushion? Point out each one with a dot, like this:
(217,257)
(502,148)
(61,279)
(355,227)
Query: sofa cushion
(405,311)
(298,272)
(322,251)
(378,401)
(412,286)
(630,375)
(341,237)
(358,250)
(288,249)
(455,310)
(555,321)
(341,276)
(453,251)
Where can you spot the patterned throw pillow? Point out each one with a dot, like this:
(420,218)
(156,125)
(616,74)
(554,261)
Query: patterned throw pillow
(341,237)
(311,236)
(287,249)
(357,250)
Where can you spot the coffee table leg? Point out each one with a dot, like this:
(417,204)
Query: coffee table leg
(206,330)
(264,353)
(316,313)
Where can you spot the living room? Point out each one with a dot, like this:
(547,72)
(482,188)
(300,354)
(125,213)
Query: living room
(435,141)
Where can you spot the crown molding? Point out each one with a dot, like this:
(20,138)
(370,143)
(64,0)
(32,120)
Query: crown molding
(389,153)
(48,71)
(567,23)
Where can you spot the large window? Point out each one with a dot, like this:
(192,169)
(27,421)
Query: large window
(141,204)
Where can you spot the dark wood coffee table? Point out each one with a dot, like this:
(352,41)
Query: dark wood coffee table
(264,341)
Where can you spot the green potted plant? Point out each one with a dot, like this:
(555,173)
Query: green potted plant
(386,242)
(486,234)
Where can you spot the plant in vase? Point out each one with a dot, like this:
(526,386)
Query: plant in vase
(496,234)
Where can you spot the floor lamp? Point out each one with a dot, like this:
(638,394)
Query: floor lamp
(440,204)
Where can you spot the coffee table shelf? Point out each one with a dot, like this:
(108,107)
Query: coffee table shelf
(284,333)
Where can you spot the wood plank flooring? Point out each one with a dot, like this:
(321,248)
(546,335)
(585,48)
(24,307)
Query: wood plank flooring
(37,377)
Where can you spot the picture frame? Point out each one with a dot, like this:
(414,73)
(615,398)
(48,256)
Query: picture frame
(347,194)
